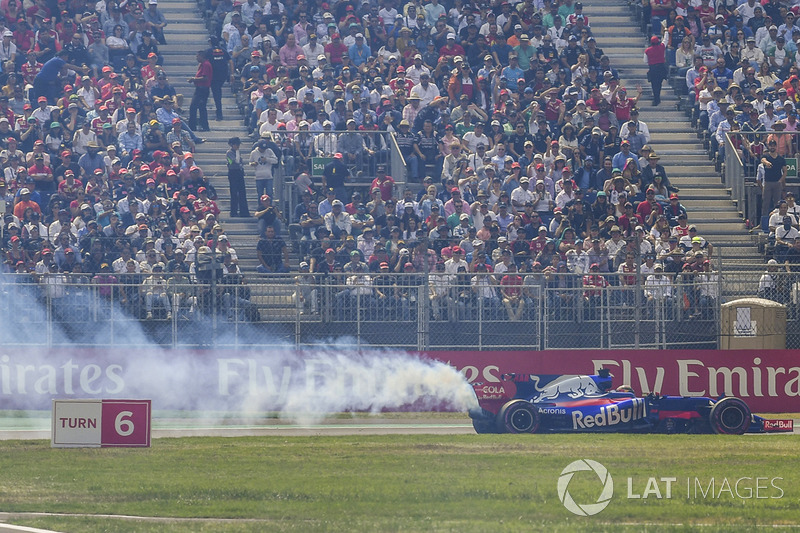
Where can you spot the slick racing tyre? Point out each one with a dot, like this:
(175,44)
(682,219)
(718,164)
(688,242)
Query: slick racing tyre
(730,416)
(518,416)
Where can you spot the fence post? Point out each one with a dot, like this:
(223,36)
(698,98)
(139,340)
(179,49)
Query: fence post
(358,320)
(49,326)
(399,168)
(423,291)
(480,323)
(297,308)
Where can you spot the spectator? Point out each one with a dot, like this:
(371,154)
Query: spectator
(273,254)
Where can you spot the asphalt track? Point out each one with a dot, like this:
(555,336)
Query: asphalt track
(38,427)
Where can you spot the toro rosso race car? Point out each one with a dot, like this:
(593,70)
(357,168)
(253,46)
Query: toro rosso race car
(574,404)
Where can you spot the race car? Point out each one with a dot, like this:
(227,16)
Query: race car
(529,403)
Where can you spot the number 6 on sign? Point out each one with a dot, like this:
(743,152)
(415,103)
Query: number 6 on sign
(126,423)
(123,424)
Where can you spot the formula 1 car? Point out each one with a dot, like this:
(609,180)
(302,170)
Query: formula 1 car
(527,403)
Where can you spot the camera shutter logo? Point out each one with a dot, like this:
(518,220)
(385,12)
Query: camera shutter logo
(587,509)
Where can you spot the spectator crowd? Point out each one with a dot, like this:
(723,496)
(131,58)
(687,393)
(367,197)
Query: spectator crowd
(99,182)
(523,151)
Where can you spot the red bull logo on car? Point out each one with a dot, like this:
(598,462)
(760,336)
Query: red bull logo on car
(610,415)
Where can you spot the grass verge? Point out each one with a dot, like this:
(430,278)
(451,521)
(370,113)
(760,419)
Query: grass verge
(402,483)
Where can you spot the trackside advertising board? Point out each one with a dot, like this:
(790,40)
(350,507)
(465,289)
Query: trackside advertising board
(769,381)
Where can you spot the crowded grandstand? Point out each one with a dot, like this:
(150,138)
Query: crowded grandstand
(487,152)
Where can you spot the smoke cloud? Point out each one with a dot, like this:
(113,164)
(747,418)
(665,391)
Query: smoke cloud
(375,382)
(302,386)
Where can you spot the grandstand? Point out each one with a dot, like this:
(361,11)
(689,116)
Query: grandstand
(475,166)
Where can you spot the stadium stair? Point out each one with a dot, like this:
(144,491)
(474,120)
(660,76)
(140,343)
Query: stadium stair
(702,192)
(186,34)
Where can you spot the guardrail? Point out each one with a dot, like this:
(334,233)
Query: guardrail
(410,311)
(742,152)
(310,151)
(301,155)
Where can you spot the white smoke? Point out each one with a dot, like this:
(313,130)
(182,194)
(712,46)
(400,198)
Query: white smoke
(374,382)
(303,387)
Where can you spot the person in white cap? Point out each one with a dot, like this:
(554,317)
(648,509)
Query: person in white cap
(451,48)
(768,284)
(522,194)
(306,294)
(413,72)
(658,291)
(8,51)
(359,52)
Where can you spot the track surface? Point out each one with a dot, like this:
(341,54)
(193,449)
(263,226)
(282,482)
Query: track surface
(38,427)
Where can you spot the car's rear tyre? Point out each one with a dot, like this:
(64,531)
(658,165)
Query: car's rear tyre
(730,416)
(518,416)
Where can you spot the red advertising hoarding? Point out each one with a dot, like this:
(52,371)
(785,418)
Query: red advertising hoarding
(769,380)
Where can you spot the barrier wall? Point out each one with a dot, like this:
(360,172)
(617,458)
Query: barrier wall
(769,380)
(235,380)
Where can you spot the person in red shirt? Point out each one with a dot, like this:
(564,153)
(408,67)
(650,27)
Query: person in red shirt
(629,268)
(42,175)
(400,82)
(334,51)
(204,204)
(31,67)
(650,208)
(656,57)
(202,89)
(383,182)
(629,220)
(622,105)
(511,287)
(538,243)
(36,8)
(150,70)
(107,90)
(102,118)
(593,284)
(70,187)
(451,49)
(593,102)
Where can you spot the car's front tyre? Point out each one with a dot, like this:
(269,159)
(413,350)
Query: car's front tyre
(730,416)
(518,416)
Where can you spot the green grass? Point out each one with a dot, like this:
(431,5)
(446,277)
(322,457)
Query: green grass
(392,483)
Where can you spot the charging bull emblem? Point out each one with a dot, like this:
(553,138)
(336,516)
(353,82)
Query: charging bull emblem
(572,386)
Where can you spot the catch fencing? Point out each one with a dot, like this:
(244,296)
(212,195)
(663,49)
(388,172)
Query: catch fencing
(406,311)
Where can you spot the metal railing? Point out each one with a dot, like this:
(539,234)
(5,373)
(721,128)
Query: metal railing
(742,152)
(734,175)
(309,151)
(409,311)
